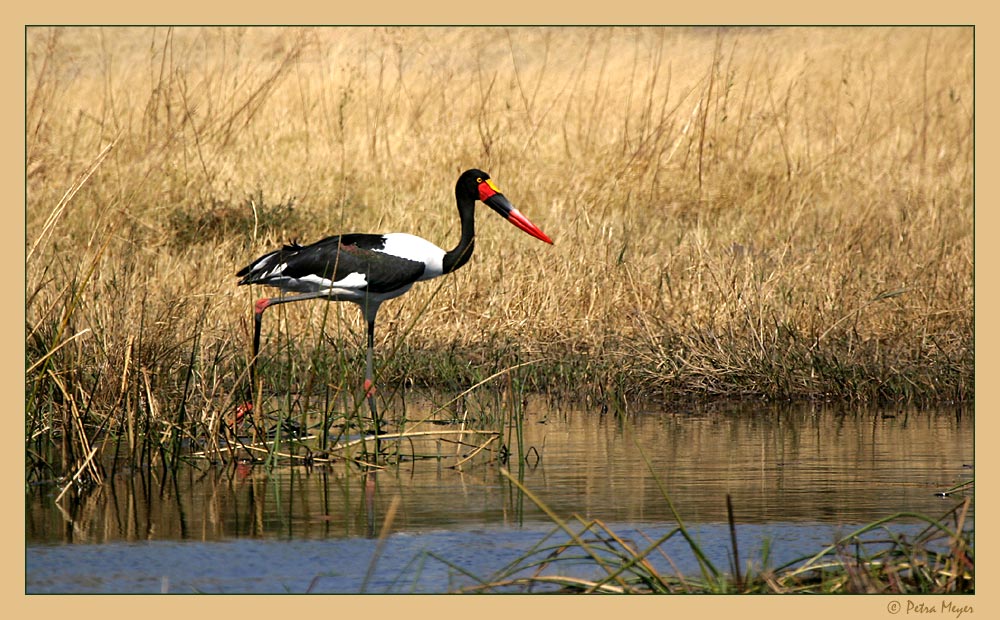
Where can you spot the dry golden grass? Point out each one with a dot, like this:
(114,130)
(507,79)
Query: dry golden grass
(773,212)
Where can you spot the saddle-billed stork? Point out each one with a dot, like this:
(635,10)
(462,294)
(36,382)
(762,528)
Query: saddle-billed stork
(368,269)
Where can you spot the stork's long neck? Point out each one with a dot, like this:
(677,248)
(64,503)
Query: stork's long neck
(463,251)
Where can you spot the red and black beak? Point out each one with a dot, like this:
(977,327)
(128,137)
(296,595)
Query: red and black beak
(491,197)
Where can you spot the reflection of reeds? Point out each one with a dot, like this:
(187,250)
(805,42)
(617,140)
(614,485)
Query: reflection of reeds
(940,559)
(780,213)
(895,565)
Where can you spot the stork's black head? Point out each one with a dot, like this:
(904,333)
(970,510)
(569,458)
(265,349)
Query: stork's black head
(475,184)
(468,184)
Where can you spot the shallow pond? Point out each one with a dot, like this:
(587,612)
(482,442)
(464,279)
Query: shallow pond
(798,478)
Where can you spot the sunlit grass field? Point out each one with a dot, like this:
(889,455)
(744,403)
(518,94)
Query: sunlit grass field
(774,213)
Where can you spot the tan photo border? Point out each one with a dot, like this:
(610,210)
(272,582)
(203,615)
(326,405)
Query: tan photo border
(486,13)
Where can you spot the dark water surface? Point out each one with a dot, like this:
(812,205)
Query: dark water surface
(798,477)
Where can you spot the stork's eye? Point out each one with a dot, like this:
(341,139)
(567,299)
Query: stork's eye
(479,179)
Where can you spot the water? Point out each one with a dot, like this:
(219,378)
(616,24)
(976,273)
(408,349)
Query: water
(798,478)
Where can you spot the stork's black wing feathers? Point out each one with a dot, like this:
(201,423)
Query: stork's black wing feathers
(335,258)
